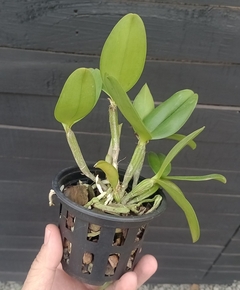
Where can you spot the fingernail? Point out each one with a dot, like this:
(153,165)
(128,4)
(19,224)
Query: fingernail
(47,236)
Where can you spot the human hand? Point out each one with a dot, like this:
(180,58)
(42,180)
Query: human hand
(46,272)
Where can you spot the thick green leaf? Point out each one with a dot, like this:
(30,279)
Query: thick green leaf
(175,192)
(155,161)
(144,103)
(179,137)
(176,149)
(124,52)
(98,80)
(78,97)
(110,171)
(171,115)
(126,107)
(218,177)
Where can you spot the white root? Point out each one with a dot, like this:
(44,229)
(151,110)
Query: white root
(50,197)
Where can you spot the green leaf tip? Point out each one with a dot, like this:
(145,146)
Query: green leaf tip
(217,177)
(78,97)
(176,149)
(144,103)
(110,171)
(179,137)
(176,194)
(124,52)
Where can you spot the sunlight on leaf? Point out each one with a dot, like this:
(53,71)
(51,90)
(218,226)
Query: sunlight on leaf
(124,52)
(78,97)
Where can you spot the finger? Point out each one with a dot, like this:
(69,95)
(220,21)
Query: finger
(145,268)
(43,269)
(127,282)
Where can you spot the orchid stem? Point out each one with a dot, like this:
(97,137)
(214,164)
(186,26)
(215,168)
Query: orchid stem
(114,128)
(77,154)
(134,166)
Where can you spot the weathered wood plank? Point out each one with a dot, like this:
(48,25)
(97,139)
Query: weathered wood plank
(31,171)
(182,236)
(181,251)
(190,32)
(27,202)
(237,236)
(181,37)
(16,261)
(23,228)
(37,112)
(226,268)
(233,248)
(184,263)
(209,203)
(41,170)
(24,143)
(34,73)
(234,3)
(229,260)
(21,243)
(224,277)
(208,221)
(177,276)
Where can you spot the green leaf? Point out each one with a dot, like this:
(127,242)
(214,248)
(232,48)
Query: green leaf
(124,52)
(126,107)
(175,192)
(218,177)
(144,103)
(171,115)
(179,137)
(110,171)
(155,161)
(176,149)
(78,97)
(98,80)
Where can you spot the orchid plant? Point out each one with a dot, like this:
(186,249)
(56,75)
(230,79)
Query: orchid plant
(121,65)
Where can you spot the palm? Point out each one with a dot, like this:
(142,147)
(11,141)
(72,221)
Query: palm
(46,271)
(63,281)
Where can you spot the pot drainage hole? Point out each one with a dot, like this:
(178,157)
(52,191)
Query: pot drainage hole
(112,264)
(70,221)
(93,233)
(87,263)
(67,248)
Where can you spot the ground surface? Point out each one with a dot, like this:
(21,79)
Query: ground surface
(234,286)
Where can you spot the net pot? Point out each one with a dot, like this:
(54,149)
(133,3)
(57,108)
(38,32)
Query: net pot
(113,248)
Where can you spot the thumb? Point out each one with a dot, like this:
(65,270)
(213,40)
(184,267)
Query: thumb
(42,272)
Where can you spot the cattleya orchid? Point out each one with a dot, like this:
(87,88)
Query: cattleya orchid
(121,64)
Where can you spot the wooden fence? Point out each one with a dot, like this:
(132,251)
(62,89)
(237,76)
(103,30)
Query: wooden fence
(191,44)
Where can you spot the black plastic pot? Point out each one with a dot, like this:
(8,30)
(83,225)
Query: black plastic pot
(79,247)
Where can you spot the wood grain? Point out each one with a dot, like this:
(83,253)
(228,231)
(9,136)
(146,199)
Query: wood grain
(24,144)
(191,44)
(33,73)
(194,32)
